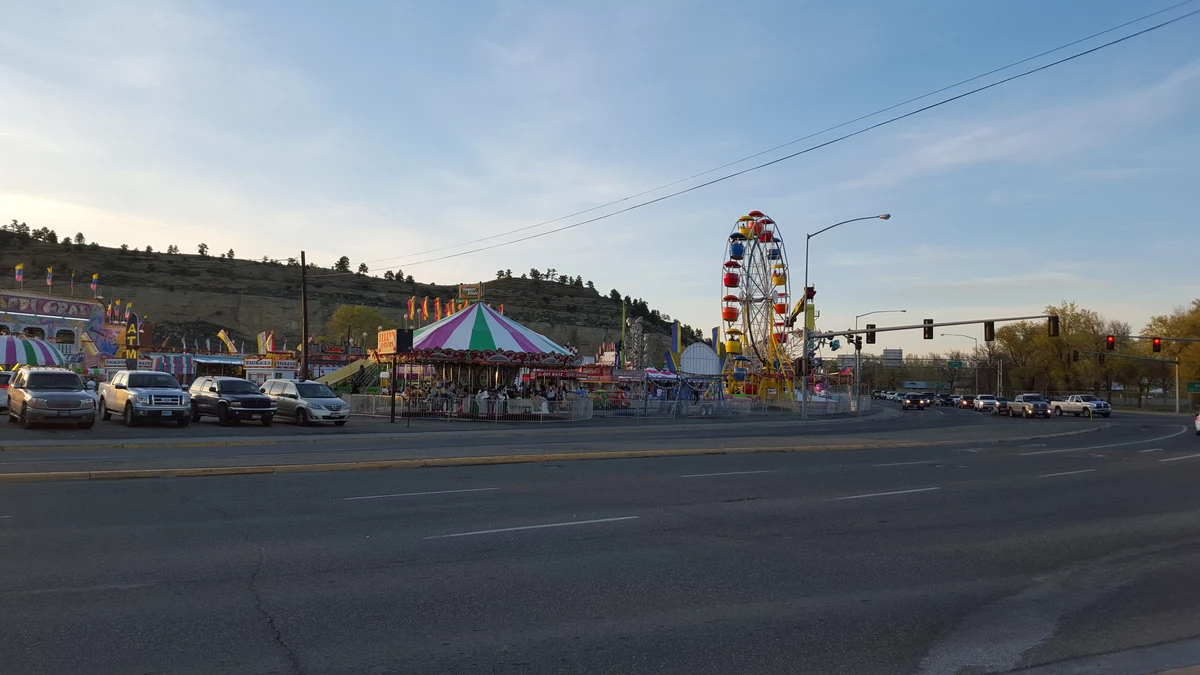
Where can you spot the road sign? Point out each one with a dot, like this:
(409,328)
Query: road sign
(954,364)
(938,385)
(1193,388)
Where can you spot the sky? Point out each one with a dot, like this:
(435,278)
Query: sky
(386,130)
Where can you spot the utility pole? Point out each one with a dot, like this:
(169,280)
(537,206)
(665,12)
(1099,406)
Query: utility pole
(303,318)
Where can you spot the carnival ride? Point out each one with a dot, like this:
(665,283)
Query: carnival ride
(755,311)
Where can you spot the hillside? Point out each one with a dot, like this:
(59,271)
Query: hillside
(193,296)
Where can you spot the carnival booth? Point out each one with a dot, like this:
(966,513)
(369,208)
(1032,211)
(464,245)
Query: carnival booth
(263,367)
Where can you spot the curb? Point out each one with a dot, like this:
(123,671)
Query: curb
(217,441)
(197,472)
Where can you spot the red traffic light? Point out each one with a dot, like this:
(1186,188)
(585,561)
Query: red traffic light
(1157,343)
(1110,343)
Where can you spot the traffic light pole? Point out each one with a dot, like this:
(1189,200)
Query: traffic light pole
(939,324)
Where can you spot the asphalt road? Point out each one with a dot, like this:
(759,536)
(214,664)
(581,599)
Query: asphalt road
(1075,553)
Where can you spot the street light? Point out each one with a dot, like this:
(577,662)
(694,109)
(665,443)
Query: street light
(804,334)
(969,337)
(858,356)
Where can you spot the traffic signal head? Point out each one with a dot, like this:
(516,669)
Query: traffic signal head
(1052,325)
(1075,356)
(870,334)
(858,343)
(929,330)
(989,331)
(1156,344)
(1110,342)
(1101,359)
(810,292)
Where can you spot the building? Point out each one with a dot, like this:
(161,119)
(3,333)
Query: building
(75,325)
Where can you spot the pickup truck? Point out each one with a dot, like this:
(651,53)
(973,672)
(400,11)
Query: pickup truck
(1080,404)
(139,395)
(1029,405)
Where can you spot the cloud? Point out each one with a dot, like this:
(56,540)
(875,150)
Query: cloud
(1034,138)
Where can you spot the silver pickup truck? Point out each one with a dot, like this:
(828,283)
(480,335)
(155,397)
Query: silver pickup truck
(1029,405)
(1081,404)
(139,395)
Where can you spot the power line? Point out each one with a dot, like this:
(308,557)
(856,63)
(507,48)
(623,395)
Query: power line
(787,144)
(806,150)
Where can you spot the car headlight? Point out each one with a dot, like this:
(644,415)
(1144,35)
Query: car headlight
(144,399)
(37,403)
(316,406)
(184,399)
(235,404)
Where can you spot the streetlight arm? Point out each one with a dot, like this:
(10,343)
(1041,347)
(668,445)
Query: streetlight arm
(852,220)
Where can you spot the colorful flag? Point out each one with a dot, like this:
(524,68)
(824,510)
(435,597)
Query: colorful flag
(21,272)
(437,309)
(208,344)
(108,311)
(223,335)
(412,307)
(49,276)
(72,282)
(425,308)
(95,281)
(128,305)
(500,308)
(449,307)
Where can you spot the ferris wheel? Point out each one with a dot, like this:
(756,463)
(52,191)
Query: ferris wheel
(755,307)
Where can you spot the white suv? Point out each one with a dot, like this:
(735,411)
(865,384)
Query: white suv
(985,402)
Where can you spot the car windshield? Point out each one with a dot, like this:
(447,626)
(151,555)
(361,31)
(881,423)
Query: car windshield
(64,381)
(986,397)
(237,387)
(1033,397)
(159,380)
(1088,398)
(315,390)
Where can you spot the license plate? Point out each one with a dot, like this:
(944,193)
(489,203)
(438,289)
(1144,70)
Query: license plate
(63,413)
(168,413)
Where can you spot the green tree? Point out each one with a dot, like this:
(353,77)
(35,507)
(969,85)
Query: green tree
(409,279)
(80,240)
(342,264)
(52,236)
(202,250)
(507,274)
(615,295)
(499,274)
(389,275)
(124,248)
(362,268)
(354,320)
(590,285)
(66,244)
(229,254)
(535,274)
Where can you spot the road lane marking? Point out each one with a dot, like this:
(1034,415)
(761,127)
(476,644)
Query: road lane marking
(727,473)
(939,412)
(418,494)
(969,450)
(533,527)
(82,589)
(923,461)
(3,517)
(1150,450)
(1065,473)
(888,494)
(1176,459)
(1182,430)
(1034,445)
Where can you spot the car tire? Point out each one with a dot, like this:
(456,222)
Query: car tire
(1198,432)
(342,423)
(128,416)
(1058,411)
(183,422)
(86,425)
(195,413)
(223,415)
(24,419)
(104,414)
(266,420)
(302,419)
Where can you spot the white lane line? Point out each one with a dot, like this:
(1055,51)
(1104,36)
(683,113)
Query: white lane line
(1182,430)
(1176,459)
(939,412)
(418,494)
(1065,473)
(727,473)
(3,517)
(923,461)
(1034,445)
(1150,450)
(888,494)
(533,527)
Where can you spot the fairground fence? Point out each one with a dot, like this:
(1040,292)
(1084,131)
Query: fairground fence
(575,408)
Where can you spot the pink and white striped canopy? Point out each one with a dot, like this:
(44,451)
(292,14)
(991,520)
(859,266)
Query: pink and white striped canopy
(481,328)
(23,351)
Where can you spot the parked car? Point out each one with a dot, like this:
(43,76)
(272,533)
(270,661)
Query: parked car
(144,395)
(306,402)
(38,395)
(1001,407)
(966,401)
(5,378)
(1029,405)
(230,399)
(912,401)
(984,402)
(1079,404)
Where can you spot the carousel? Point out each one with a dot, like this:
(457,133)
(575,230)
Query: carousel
(479,348)
(16,351)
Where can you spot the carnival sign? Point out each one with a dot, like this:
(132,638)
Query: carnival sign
(266,364)
(49,307)
(387,342)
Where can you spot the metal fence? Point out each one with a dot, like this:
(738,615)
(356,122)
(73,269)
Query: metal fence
(472,408)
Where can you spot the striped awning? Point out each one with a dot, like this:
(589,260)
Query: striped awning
(480,328)
(18,350)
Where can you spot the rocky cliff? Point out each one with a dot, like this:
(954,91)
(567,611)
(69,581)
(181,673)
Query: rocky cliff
(193,296)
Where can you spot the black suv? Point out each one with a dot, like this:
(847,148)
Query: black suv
(230,399)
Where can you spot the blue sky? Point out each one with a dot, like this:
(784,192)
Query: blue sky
(384,129)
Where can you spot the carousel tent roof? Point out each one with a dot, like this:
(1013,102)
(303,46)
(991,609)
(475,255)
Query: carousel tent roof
(24,351)
(481,328)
